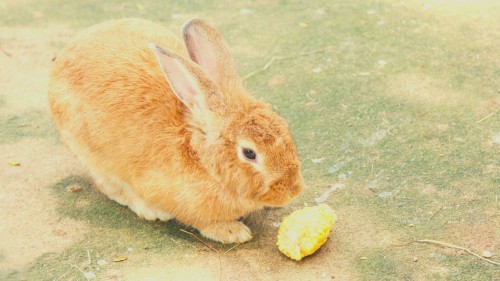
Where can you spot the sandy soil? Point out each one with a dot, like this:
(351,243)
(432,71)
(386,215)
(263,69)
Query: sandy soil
(31,226)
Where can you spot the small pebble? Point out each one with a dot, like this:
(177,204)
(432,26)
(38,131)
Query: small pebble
(382,62)
(245,11)
(487,254)
(176,16)
(385,194)
(74,188)
(317,160)
(89,275)
(316,69)
(415,259)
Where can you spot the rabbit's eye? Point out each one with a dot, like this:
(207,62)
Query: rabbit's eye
(249,154)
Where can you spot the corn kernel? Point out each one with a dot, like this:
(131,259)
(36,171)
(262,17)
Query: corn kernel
(304,231)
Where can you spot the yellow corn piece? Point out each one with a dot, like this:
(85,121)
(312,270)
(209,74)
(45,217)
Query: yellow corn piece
(304,231)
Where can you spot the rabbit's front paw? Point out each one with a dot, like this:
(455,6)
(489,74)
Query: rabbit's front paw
(227,232)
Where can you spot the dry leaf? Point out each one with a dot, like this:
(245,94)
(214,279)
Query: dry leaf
(119,259)
(13,163)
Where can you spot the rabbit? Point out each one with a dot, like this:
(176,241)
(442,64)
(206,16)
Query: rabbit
(165,126)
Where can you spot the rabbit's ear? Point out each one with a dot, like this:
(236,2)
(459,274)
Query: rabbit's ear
(208,49)
(188,82)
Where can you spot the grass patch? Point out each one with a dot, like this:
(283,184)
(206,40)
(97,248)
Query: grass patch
(381,267)
(80,14)
(35,124)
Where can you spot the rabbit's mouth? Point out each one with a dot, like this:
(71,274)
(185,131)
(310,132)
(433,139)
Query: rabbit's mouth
(280,194)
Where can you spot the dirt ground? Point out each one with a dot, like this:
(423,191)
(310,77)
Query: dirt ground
(386,196)
(25,61)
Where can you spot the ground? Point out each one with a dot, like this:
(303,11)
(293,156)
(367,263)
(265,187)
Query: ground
(393,106)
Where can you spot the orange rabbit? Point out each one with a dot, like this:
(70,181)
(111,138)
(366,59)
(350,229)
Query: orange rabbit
(167,128)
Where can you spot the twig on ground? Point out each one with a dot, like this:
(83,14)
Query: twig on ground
(280,58)
(62,276)
(444,244)
(486,117)
(83,272)
(310,98)
(90,260)
(435,213)
(230,249)
(199,239)
(268,64)
(404,244)
(211,248)
(6,53)
(197,249)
